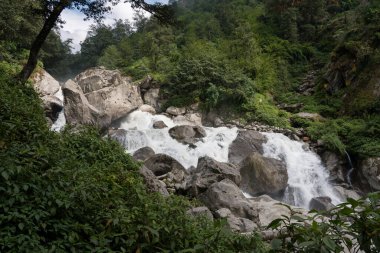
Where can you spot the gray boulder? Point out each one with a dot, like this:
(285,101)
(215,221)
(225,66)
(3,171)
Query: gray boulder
(152,183)
(78,110)
(336,165)
(159,125)
(200,211)
(346,193)
(147,108)
(143,154)
(321,203)
(187,134)
(175,111)
(310,116)
(161,164)
(45,84)
(209,172)
(226,194)
(370,168)
(110,93)
(246,143)
(269,209)
(236,224)
(151,97)
(262,175)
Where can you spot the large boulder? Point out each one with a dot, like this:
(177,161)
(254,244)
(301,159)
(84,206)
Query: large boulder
(108,92)
(143,154)
(321,203)
(187,134)
(226,194)
(208,172)
(269,209)
(151,181)
(159,124)
(147,108)
(151,97)
(175,111)
(336,165)
(246,143)
(45,84)
(262,175)
(78,110)
(48,89)
(200,211)
(236,224)
(193,119)
(370,168)
(161,164)
(344,193)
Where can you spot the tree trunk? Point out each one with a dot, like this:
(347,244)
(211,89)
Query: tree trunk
(40,39)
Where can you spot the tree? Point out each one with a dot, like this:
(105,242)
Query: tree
(52,9)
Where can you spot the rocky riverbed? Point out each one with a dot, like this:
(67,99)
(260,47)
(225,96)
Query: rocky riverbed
(238,171)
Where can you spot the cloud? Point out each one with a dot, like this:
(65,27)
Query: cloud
(76,28)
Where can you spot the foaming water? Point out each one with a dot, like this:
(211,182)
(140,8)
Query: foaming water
(308,178)
(60,123)
(140,133)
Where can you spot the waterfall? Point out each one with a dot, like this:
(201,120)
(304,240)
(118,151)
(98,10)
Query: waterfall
(350,170)
(308,178)
(61,120)
(140,133)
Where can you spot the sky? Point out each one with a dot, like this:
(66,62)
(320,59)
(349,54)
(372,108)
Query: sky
(76,28)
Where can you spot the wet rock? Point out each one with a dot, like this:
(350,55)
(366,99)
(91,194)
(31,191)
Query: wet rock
(147,108)
(152,183)
(336,165)
(208,172)
(161,164)
(143,154)
(346,193)
(193,119)
(187,134)
(236,224)
(159,125)
(52,107)
(269,209)
(200,211)
(262,175)
(370,168)
(246,143)
(175,111)
(321,203)
(151,97)
(226,194)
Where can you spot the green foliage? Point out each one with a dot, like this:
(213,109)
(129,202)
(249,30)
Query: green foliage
(353,225)
(261,109)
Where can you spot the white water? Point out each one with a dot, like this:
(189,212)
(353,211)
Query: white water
(61,121)
(308,178)
(141,134)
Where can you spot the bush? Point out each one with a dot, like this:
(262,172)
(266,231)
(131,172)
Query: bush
(353,225)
